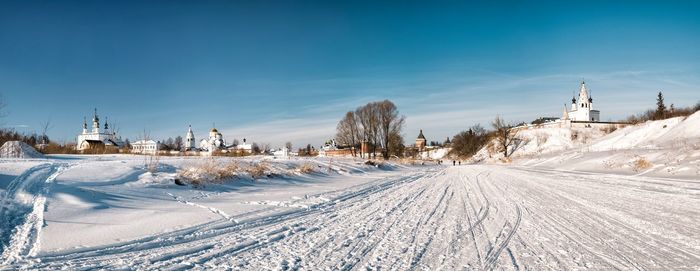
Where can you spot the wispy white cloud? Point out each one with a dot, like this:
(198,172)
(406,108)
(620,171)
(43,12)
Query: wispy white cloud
(17,126)
(298,131)
(444,106)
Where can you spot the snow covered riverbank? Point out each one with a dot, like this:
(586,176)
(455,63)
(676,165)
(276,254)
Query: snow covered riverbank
(100,213)
(94,201)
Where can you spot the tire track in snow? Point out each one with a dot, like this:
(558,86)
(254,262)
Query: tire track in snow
(492,258)
(222,235)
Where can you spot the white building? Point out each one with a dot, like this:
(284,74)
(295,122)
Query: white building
(190,144)
(144,146)
(241,148)
(282,153)
(214,142)
(582,108)
(96,138)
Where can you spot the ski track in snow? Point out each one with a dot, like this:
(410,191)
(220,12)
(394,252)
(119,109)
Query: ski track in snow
(438,218)
(211,209)
(22,211)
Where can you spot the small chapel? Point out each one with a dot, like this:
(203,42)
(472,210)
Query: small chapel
(582,107)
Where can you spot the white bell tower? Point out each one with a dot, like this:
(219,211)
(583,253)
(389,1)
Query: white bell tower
(189,139)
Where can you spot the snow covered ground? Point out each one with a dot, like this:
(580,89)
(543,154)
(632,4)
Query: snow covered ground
(664,148)
(107,212)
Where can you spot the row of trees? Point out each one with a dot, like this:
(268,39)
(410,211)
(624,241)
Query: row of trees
(467,143)
(378,124)
(662,111)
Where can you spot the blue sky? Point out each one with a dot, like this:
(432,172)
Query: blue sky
(276,71)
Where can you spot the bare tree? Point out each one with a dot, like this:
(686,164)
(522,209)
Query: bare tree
(396,144)
(265,147)
(178,143)
(376,123)
(45,127)
(347,131)
(389,123)
(367,115)
(288,145)
(505,134)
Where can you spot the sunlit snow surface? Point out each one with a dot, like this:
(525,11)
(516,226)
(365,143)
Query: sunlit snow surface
(568,208)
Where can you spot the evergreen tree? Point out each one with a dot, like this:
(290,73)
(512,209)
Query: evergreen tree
(660,106)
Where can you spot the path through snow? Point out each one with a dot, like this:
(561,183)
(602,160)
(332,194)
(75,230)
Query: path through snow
(22,211)
(439,218)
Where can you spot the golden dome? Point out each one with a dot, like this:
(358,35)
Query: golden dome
(214,130)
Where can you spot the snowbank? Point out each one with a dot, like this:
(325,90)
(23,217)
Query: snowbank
(662,148)
(18,149)
(538,141)
(435,153)
(673,132)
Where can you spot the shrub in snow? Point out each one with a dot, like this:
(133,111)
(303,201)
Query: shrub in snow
(257,170)
(208,172)
(306,168)
(640,164)
(151,163)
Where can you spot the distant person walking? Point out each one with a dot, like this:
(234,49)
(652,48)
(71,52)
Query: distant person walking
(460,163)
(453,162)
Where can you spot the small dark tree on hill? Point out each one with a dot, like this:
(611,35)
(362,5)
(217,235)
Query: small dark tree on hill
(660,107)
(255,148)
(504,133)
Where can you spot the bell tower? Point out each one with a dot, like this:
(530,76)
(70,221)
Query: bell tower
(95,123)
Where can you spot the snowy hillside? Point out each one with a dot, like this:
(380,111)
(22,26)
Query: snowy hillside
(538,141)
(668,147)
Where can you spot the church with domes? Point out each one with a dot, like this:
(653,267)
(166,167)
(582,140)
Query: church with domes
(214,142)
(96,138)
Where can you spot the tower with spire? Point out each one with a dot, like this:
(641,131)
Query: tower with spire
(582,106)
(189,140)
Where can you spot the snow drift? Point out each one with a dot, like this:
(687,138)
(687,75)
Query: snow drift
(18,149)
(669,147)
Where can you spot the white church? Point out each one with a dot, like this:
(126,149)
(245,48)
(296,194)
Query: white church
(214,142)
(582,107)
(97,138)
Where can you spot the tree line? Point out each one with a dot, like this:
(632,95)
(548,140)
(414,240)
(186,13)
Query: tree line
(662,111)
(377,124)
